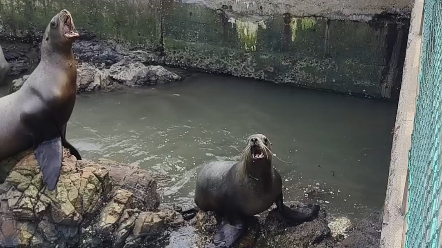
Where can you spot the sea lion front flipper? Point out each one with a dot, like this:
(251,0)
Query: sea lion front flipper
(298,216)
(68,145)
(49,155)
(227,234)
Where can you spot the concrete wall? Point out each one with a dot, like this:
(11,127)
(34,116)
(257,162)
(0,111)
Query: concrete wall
(395,208)
(268,40)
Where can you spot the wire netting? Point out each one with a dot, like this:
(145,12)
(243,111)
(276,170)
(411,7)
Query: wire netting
(424,164)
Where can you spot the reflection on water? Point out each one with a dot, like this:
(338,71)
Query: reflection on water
(340,143)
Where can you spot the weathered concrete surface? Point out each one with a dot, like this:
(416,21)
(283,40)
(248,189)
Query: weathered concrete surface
(343,8)
(263,39)
(394,223)
(350,57)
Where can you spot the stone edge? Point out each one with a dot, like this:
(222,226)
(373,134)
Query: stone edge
(395,205)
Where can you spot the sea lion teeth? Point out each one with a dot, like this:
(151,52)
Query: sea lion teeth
(35,116)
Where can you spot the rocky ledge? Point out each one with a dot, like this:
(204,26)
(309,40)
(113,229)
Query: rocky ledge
(106,204)
(101,66)
(125,73)
(94,205)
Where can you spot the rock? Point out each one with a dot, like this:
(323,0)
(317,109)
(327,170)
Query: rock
(365,234)
(271,230)
(339,226)
(281,233)
(90,78)
(133,178)
(132,73)
(22,57)
(18,83)
(95,51)
(113,211)
(4,66)
(88,208)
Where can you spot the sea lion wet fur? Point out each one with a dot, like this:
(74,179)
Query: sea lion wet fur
(36,115)
(236,191)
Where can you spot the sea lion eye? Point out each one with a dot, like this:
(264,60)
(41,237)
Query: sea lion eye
(266,140)
(53,24)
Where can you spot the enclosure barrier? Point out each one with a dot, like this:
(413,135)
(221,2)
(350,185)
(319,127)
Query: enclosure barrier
(412,214)
(424,192)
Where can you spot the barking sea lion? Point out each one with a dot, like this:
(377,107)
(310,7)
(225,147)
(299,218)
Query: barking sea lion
(36,115)
(246,188)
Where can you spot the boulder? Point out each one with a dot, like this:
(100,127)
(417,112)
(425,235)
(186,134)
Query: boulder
(125,73)
(97,52)
(95,204)
(132,73)
(270,229)
(90,78)
(4,67)
(365,234)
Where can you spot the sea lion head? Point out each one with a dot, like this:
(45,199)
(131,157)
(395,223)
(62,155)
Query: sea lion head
(259,148)
(60,32)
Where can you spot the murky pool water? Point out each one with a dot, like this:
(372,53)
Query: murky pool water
(339,143)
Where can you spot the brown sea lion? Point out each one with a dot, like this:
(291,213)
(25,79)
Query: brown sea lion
(36,115)
(236,191)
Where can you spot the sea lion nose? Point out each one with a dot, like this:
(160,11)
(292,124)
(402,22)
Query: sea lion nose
(64,11)
(254,140)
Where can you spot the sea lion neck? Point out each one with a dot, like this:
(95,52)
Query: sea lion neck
(259,170)
(56,54)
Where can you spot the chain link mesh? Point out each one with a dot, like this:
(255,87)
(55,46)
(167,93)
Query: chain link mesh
(423,217)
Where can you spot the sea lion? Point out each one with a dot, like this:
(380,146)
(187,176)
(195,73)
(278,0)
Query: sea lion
(236,191)
(36,115)
(4,66)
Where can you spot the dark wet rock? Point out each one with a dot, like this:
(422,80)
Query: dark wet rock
(22,57)
(272,230)
(95,51)
(91,78)
(281,233)
(132,73)
(365,234)
(95,204)
(4,66)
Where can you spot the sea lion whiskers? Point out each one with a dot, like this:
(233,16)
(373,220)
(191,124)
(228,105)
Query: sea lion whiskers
(237,196)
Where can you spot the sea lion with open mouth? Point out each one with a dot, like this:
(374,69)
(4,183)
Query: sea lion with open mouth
(36,115)
(246,188)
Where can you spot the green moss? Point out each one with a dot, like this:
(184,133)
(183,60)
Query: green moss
(248,33)
(134,22)
(306,24)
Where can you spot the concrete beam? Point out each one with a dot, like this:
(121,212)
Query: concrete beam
(325,8)
(394,223)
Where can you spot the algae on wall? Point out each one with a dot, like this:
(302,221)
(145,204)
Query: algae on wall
(247,32)
(345,56)
(306,23)
(125,21)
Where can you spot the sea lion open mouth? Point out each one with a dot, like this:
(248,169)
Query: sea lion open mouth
(256,152)
(69,28)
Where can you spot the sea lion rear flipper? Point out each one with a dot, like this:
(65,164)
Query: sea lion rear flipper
(227,235)
(68,145)
(49,155)
(298,216)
